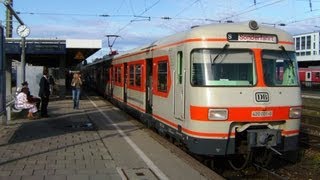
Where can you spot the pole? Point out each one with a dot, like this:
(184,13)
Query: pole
(13,12)
(9,20)
(23,40)
(23,59)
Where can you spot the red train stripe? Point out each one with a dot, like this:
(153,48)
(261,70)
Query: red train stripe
(242,114)
(290,132)
(195,133)
(136,107)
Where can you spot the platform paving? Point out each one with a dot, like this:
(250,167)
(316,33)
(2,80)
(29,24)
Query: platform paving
(63,147)
(85,144)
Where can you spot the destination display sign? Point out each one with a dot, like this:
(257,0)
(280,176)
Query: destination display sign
(252,37)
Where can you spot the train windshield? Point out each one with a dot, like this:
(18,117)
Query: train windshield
(280,68)
(213,67)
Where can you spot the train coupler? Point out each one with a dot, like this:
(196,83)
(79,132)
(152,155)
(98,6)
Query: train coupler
(264,138)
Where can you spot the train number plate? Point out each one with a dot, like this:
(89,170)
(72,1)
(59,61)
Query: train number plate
(261,114)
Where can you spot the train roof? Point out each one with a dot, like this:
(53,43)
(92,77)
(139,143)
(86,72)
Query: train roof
(212,31)
(105,59)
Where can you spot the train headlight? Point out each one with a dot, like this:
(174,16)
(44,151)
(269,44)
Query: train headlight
(218,114)
(295,113)
(253,25)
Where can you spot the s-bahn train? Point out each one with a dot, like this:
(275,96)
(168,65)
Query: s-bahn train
(309,77)
(229,90)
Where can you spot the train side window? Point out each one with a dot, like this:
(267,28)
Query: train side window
(179,66)
(117,74)
(138,75)
(317,74)
(162,76)
(131,75)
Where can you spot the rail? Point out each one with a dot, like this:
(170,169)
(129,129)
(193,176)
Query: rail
(10,100)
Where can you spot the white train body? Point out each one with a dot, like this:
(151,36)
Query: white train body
(214,84)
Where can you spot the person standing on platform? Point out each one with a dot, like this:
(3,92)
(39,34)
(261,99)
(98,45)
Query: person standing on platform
(44,93)
(76,84)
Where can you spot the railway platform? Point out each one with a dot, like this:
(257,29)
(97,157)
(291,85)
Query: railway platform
(97,141)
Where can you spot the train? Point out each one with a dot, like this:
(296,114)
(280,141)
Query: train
(310,77)
(220,90)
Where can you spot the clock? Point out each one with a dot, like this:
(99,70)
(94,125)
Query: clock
(23,31)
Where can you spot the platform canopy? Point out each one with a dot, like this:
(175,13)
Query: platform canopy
(50,52)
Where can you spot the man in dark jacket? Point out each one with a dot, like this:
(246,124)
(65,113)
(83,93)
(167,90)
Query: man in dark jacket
(44,93)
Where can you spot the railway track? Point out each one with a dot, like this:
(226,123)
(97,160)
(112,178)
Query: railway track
(310,136)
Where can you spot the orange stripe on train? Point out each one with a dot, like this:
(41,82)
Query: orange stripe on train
(242,114)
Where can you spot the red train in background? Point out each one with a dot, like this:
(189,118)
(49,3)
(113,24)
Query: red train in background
(309,77)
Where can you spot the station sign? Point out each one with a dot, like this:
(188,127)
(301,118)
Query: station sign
(252,37)
(12,48)
(40,48)
(35,48)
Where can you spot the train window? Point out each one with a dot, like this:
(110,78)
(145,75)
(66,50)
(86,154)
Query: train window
(162,76)
(280,68)
(135,76)
(231,68)
(131,75)
(138,75)
(317,74)
(118,74)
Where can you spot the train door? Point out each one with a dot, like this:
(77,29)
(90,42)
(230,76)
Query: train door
(149,86)
(125,83)
(178,83)
(308,78)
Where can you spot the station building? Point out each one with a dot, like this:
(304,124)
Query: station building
(308,49)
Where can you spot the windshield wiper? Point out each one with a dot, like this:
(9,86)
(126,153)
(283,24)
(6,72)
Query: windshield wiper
(286,52)
(222,50)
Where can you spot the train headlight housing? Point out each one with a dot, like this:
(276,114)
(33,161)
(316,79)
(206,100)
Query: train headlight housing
(218,114)
(295,113)
(253,25)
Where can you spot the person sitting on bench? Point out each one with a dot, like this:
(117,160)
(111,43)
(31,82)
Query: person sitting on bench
(22,103)
(31,99)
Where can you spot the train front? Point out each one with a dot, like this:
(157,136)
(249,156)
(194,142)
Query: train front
(246,94)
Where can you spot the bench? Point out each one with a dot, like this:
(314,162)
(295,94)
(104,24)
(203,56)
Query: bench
(10,106)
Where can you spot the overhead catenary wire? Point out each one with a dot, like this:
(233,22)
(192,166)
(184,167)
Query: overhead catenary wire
(156,17)
(254,9)
(147,9)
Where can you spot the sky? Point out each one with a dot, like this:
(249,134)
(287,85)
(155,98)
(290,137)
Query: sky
(140,22)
